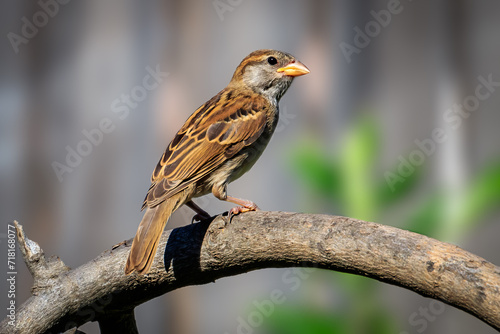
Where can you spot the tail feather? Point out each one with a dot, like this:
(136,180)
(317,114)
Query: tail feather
(148,235)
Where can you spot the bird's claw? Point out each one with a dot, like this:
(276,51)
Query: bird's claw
(124,242)
(200,217)
(241,209)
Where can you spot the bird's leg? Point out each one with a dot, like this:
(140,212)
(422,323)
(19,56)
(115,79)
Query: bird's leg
(245,205)
(200,213)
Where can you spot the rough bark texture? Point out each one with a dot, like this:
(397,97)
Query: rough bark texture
(203,252)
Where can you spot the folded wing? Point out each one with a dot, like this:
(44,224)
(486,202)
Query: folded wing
(212,135)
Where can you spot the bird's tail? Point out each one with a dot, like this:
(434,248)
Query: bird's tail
(148,234)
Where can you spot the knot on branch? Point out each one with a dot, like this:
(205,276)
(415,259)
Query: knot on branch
(44,272)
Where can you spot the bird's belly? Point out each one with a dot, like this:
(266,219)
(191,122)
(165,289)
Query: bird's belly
(234,167)
(248,156)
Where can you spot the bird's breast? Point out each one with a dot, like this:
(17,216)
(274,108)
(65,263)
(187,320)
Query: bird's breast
(249,155)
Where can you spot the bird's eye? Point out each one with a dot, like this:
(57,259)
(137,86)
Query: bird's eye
(272,61)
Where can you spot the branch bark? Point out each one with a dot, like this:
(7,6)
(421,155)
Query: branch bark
(203,252)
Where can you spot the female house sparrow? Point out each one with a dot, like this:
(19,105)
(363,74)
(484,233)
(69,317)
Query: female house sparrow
(218,143)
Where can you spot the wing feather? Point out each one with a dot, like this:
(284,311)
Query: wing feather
(210,136)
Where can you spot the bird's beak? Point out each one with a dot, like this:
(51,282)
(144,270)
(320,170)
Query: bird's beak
(294,69)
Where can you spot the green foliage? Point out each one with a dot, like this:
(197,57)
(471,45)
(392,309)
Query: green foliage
(387,196)
(482,196)
(348,181)
(357,157)
(316,170)
(427,217)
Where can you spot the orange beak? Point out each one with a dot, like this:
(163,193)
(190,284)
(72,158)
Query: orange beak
(294,69)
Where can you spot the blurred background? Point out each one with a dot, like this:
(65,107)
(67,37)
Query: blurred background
(386,76)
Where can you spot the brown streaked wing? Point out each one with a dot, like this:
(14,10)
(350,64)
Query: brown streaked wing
(202,143)
(190,123)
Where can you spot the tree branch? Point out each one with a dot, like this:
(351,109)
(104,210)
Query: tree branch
(201,253)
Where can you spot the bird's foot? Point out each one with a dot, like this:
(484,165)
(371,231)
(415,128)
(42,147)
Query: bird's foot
(240,209)
(246,206)
(200,213)
(200,216)
(124,242)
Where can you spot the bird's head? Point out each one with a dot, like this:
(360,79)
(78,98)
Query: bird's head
(268,73)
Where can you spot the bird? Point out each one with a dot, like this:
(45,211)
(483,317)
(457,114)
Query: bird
(216,145)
